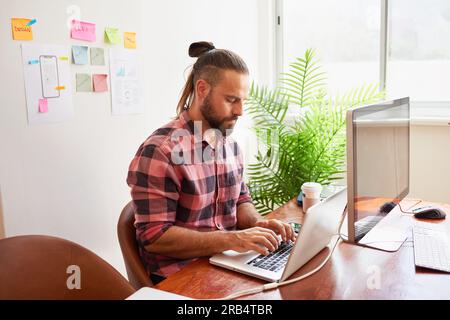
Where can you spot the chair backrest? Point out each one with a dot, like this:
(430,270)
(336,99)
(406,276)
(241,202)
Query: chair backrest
(137,275)
(43,268)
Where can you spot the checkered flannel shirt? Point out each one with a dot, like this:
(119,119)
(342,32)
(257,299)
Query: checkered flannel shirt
(178,179)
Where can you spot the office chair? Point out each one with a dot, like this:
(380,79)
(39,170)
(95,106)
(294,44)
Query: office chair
(45,268)
(137,275)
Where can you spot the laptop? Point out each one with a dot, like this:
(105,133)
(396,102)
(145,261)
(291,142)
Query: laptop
(320,224)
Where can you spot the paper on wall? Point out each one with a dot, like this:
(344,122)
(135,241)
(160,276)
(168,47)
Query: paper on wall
(49,80)
(112,35)
(83,31)
(21,29)
(126,82)
(97,56)
(84,82)
(80,55)
(100,82)
(43,105)
(129,40)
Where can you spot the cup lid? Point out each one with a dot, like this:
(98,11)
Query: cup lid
(311,186)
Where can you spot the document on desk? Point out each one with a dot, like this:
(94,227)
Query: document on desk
(147,293)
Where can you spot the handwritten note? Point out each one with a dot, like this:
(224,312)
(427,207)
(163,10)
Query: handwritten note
(84,82)
(100,82)
(43,105)
(21,30)
(80,55)
(83,31)
(112,35)
(130,40)
(97,56)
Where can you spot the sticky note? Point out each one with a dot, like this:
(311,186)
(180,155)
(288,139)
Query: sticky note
(21,30)
(121,72)
(84,82)
(29,24)
(64,58)
(97,57)
(130,40)
(43,105)
(112,35)
(100,82)
(60,88)
(80,55)
(83,31)
(33,62)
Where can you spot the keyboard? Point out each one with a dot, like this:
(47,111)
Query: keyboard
(274,261)
(431,246)
(362,227)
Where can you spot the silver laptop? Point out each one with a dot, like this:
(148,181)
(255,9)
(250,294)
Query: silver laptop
(320,224)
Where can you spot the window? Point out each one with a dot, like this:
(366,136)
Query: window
(419,50)
(348,39)
(345,34)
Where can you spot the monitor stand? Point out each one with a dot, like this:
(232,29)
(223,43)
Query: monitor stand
(389,234)
(386,238)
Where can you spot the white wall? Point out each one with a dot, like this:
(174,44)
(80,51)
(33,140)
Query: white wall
(430,162)
(68,179)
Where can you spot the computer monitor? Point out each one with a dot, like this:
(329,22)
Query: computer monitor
(378,138)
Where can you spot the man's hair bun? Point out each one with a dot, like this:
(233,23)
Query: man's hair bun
(196,49)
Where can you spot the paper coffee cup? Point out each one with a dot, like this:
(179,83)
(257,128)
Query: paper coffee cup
(311,191)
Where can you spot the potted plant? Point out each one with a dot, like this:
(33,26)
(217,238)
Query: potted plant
(300,132)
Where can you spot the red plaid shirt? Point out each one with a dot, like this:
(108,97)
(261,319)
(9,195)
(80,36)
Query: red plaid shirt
(178,178)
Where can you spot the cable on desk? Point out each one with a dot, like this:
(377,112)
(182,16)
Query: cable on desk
(273,285)
(407,210)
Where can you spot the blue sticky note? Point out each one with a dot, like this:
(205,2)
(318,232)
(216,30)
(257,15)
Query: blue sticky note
(29,24)
(80,55)
(121,72)
(33,62)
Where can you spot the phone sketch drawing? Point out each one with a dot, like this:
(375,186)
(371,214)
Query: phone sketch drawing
(49,76)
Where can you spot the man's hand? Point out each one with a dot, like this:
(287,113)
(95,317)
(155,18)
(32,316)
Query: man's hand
(284,229)
(262,240)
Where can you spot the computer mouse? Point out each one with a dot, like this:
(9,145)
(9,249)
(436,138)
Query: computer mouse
(429,212)
(387,207)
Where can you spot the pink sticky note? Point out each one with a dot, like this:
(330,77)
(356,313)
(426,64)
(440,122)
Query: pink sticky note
(43,105)
(83,31)
(100,82)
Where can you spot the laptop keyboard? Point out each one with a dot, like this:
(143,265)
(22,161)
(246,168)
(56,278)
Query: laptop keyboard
(274,261)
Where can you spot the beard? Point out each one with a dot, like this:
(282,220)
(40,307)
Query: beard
(214,121)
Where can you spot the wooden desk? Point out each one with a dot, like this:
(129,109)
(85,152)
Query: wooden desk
(349,274)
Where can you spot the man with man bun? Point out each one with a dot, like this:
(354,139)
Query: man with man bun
(186,179)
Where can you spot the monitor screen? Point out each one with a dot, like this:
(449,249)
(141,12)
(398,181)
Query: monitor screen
(378,138)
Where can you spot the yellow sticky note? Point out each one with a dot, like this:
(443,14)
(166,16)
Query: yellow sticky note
(130,40)
(20,29)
